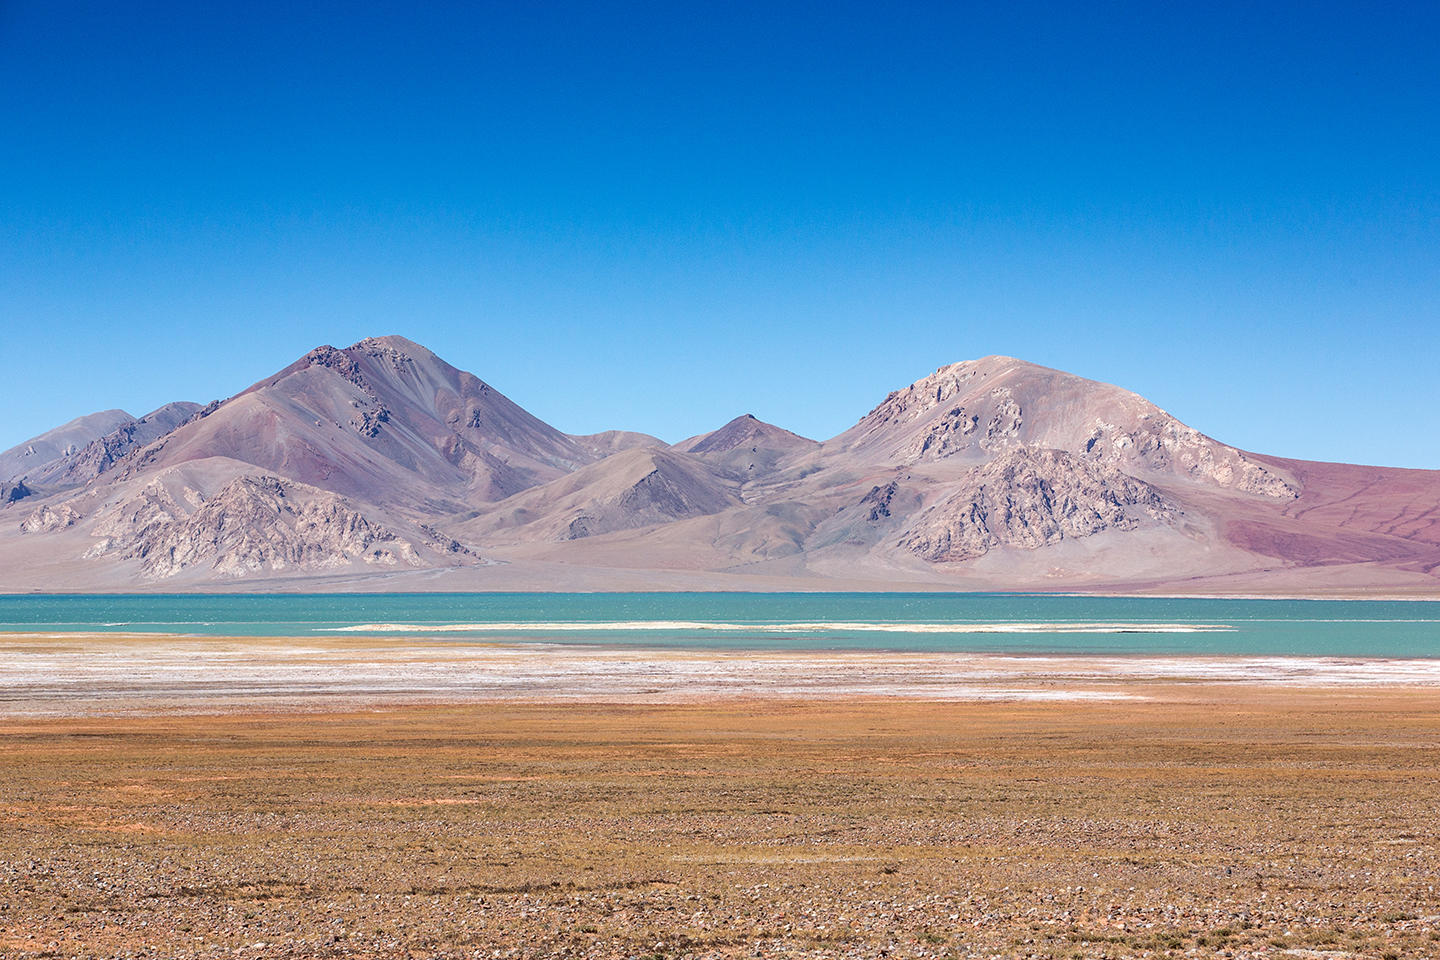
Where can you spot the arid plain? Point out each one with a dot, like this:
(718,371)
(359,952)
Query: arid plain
(1011,807)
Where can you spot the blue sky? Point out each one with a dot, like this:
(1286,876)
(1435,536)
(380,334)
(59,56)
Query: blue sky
(657,216)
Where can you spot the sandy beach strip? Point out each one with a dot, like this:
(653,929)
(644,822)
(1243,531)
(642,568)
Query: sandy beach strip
(101,674)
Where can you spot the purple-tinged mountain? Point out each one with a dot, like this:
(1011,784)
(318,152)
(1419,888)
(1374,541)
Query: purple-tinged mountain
(380,466)
(104,453)
(34,455)
(746,449)
(384,421)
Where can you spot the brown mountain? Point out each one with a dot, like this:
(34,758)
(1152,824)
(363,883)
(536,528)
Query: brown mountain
(633,488)
(385,421)
(380,466)
(746,449)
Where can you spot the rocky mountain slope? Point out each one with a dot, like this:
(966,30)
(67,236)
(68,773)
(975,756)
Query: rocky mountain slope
(1030,498)
(251,524)
(976,409)
(380,466)
(634,488)
(86,464)
(28,459)
(384,421)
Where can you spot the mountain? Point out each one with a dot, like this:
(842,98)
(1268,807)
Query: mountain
(80,466)
(385,421)
(379,466)
(638,487)
(602,445)
(35,454)
(970,411)
(746,449)
(744,431)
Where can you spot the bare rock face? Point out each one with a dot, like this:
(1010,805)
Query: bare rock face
(13,492)
(441,542)
(1165,444)
(915,402)
(46,518)
(950,434)
(147,516)
(368,421)
(253,524)
(26,460)
(337,360)
(990,425)
(1032,498)
(953,412)
(879,500)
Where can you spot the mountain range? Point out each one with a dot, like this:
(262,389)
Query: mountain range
(382,467)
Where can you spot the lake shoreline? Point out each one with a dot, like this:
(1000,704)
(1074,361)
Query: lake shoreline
(77,675)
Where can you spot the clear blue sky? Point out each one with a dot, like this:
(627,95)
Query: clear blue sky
(656,216)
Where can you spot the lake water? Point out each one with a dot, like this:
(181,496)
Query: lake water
(1018,623)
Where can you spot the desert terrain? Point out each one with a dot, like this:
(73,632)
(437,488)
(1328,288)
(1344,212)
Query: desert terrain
(337,799)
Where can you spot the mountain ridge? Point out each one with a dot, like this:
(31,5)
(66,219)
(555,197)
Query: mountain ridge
(381,466)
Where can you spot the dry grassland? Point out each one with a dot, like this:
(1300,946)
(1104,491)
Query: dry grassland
(1206,821)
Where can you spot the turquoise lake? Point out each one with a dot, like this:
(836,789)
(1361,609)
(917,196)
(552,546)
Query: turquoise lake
(1021,623)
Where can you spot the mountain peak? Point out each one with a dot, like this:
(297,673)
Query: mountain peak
(976,409)
(391,343)
(346,362)
(744,430)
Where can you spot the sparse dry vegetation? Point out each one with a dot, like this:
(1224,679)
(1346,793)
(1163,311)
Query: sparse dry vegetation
(1209,821)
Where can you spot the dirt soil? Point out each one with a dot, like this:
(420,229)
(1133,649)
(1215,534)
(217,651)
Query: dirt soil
(1202,820)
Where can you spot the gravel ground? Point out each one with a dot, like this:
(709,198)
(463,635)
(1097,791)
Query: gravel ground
(1194,819)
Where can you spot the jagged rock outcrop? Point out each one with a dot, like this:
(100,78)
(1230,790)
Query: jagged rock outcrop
(1029,499)
(950,434)
(1162,443)
(253,524)
(441,542)
(916,401)
(879,499)
(990,425)
(46,518)
(368,421)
